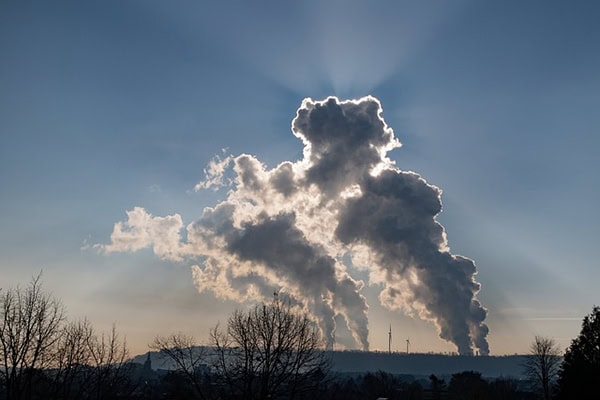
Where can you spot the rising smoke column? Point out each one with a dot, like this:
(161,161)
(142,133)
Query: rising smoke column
(410,247)
(392,213)
(288,228)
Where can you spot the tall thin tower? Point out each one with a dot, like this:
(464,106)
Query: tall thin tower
(390,340)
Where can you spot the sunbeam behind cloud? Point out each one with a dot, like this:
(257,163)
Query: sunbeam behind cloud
(289,228)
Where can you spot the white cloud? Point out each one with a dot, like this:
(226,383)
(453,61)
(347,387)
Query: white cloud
(214,173)
(143,230)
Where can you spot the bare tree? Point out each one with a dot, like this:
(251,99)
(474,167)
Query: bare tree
(270,351)
(188,357)
(42,355)
(30,324)
(72,357)
(110,366)
(542,364)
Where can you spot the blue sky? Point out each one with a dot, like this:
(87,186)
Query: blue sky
(105,106)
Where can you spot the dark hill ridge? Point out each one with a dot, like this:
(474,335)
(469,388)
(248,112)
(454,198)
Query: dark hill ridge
(427,364)
(401,363)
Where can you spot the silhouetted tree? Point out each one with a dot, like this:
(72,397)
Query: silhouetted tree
(270,351)
(438,386)
(345,389)
(378,384)
(42,356)
(188,358)
(30,324)
(468,385)
(541,365)
(510,389)
(110,367)
(580,371)
(69,373)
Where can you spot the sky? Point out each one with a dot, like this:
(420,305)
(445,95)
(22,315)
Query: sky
(116,106)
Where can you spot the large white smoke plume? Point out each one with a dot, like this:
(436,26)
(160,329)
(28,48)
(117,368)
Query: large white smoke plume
(288,228)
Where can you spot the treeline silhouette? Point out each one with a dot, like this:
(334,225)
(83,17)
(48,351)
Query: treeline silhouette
(272,351)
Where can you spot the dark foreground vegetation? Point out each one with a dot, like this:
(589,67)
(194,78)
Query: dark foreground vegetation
(272,351)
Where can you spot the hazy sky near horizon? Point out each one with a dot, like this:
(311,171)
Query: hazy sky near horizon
(105,106)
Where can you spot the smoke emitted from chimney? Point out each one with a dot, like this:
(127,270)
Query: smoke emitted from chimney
(289,228)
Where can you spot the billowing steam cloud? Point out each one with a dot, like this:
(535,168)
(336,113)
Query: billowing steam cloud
(288,228)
